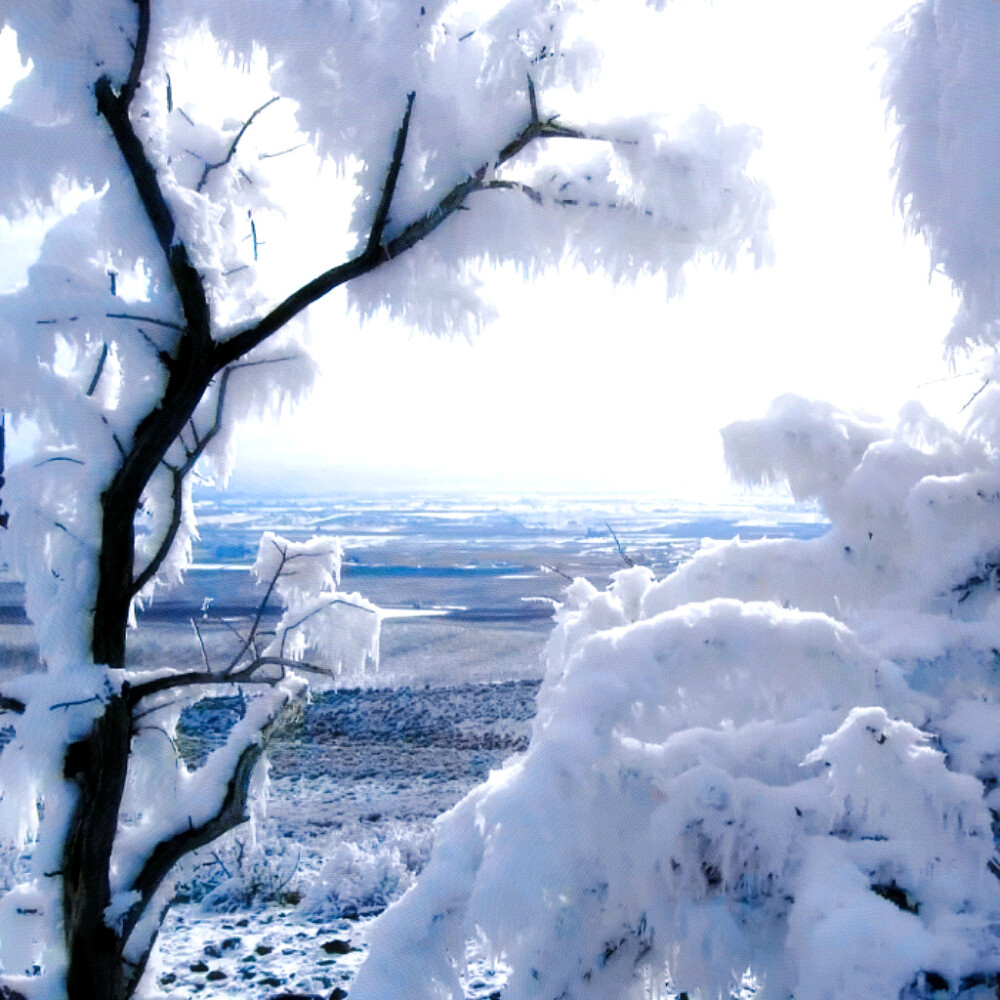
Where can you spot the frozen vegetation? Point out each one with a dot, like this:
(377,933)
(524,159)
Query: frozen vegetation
(780,758)
(772,771)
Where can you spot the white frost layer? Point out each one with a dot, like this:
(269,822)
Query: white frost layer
(716,783)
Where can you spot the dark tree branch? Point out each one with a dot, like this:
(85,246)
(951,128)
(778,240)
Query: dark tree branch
(59,458)
(546,568)
(91,389)
(138,55)
(455,199)
(281,152)
(501,185)
(374,254)
(114,108)
(201,643)
(209,167)
(179,473)
(391,179)
(200,678)
(253,236)
(975,395)
(532,99)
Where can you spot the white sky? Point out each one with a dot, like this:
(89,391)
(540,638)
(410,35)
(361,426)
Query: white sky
(578,385)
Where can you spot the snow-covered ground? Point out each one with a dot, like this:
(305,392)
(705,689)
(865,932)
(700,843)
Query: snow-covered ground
(354,791)
(357,783)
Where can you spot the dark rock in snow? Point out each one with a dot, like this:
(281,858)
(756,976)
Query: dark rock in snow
(338,947)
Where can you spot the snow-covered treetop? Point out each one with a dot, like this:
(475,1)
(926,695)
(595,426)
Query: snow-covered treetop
(942,83)
(644,199)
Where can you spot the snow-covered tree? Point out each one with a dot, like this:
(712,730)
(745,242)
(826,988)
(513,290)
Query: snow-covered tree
(775,772)
(150,323)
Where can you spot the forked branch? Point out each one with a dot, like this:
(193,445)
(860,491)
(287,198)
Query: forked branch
(209,167)
(178,474)
(232,812)
(377,249)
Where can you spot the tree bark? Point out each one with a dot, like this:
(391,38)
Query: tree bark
(98,765)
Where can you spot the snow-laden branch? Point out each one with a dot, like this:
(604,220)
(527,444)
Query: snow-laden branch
(377,250)
(235,763)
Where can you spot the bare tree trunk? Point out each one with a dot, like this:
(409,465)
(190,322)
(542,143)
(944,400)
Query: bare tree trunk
(98,765)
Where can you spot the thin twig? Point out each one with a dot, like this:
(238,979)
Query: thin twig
(291,149)
(532,99)
(138,55)
(626,558)
(59,458)
(201,642)
(261,607)
(391,178)
(316,611)
(100,368)
(209,167)
(972,398)
(555,569)
(145,319)
(527,189)
(73,704)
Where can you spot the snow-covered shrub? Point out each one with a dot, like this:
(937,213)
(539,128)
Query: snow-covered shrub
(783,757)
(244,875)
(363,878)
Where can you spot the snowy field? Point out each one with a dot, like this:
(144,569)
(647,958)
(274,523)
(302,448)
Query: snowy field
(468,584)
